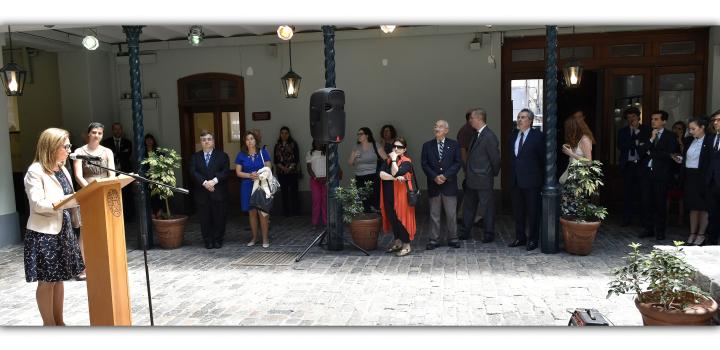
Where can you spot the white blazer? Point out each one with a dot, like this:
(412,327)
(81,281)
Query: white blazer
(43,190)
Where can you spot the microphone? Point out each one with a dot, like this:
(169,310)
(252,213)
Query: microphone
(74,156)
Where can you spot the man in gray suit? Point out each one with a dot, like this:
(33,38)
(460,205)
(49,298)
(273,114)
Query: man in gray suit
(483,164)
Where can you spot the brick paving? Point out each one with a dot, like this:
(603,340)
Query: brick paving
(476,285)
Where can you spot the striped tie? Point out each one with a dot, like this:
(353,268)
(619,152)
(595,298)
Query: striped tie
(441,149)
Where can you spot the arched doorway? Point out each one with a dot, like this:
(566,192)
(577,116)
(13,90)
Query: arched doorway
(214,102)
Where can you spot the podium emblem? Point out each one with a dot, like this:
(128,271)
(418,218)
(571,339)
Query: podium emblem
(113,202)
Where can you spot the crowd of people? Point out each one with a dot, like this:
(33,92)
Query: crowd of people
(658,166)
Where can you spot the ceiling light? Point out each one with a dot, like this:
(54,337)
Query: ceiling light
(13,77)
(291,80)
(195,36)
(388,28)
(90,41)
(285,32)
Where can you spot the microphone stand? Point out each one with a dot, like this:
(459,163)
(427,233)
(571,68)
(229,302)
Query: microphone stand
(143,232)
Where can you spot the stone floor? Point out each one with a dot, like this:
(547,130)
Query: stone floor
(476,285)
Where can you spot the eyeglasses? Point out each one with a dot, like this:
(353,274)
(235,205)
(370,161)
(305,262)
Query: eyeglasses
(68,146)
(206,139)
(360,134)
(399,146)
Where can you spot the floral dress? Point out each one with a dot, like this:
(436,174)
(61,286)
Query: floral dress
(53,258)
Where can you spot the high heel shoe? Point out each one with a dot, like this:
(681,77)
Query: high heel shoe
(251,243)
(266,244)
(700,240)
(691,240)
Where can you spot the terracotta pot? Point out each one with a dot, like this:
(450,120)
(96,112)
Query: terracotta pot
(170,233)
(364,231)
(695,314)
(579,236)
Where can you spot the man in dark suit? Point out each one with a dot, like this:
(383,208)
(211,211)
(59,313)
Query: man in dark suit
(656,149)
(627,143)
(441,163)
(483,164)
(121,148)
(526,174)
(713,180)
(209,168)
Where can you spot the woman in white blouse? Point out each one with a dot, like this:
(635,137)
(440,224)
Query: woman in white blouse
(695,163)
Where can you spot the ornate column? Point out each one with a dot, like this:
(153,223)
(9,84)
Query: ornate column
(550,233)
(132,33)
(334,210)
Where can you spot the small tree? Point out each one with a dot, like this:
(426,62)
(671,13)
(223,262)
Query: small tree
(584,180)
(663,273)
(161,168)
(351,198)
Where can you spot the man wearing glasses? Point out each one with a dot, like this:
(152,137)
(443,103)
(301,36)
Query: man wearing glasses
(209,168)
(441,163)
(713,180)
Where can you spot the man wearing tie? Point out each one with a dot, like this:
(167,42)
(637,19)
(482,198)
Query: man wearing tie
(483,164)
(656,149)
(209,168)
(526,174)
(121,147)
(713,181)
(441,163)
(627,143)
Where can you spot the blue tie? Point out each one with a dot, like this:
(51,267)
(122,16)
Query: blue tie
(207,159)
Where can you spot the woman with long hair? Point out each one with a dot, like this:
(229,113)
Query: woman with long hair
(578,147)
(52,253)
(397,215)
(247,163)
(366,157)
(695,162)
(286,160)
(387,136)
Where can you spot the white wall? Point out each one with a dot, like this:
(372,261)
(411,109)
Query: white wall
(9,228)
(713,100)
(427,78)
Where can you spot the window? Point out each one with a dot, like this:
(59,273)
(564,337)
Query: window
(525,55)
(528,93)
(627,50)
(676,95)
(678,48)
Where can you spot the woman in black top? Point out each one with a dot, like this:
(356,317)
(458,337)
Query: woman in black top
(287,170)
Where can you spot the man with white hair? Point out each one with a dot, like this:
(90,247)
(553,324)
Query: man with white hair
(441,164)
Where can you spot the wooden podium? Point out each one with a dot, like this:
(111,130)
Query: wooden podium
(103,232)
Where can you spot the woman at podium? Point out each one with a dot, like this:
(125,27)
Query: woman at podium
(86,173)
(52,254)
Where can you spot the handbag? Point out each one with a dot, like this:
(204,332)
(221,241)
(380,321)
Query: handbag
(587,317)
(414,193)
(260,202)
(274,184)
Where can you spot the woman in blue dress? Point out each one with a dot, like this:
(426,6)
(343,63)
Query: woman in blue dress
(247,163)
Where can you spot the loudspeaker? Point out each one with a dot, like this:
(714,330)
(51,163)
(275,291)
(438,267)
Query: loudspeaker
(327,115)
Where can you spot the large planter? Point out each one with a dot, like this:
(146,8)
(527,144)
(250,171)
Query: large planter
(695,314)
(579,236)
(170,232)
(364,231)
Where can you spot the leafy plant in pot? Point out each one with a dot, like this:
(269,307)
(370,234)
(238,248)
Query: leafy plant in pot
(170,229)
(662,283)
(364,227)
(579,217)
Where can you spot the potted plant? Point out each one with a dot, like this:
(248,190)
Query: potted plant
(161,165)
(579,217)
(662,283)
(364,227)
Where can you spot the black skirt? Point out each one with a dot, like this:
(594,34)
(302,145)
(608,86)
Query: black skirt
(695,190)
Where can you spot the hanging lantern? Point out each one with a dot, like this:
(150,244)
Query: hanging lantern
(291,80)
(573,71)
(13,77)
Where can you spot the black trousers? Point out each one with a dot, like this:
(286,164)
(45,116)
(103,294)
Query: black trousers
(526,202)
(631,183)
(399,231)
(213,216)
(714,214)
(654,198)
(374,198)
(289,193)
(471,199)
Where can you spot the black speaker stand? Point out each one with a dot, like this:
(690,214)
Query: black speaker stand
(320,239)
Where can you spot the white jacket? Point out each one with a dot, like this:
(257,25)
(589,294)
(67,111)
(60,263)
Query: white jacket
(43,190)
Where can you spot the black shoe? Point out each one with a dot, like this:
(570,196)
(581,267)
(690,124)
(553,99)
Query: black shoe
(463,237)
(217,245)
(431,246)
(532,245)
(516,243)
(488,239)
(208,245)
(454,244)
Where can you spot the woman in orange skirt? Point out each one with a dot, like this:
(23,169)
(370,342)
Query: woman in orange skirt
(396,175)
